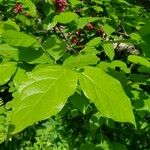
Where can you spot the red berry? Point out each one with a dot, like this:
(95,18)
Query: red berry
(90,26)
(60,5)
(74,40)
(18,8)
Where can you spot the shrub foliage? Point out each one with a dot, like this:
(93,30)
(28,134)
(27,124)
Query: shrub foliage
(74,74)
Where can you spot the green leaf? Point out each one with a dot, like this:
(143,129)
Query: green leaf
(98,8)
(10,25)
(75,2)
(94,42)
(21,74)
(144,69)
(8,51)
(6,71)
(66,17)
(109,50)
(16,38)
(139,60)
(31,8)
(24,20)
(121,65)
(108,29)
(81,60)
(42,95)
(55,47)
(135,37)
(98,1)
(107,94)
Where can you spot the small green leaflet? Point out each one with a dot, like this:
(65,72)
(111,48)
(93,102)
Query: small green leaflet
(42,95)
(109,50)
(107,94)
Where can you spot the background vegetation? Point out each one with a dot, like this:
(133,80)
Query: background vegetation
(74,75)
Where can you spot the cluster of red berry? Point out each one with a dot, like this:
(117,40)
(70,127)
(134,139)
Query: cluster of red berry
(89,27)
(18,8)
(75,39)
(60,5)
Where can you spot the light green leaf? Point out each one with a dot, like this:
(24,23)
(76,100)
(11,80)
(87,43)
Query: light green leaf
(30,6)
(75,2)
(10,25)
(20,75)
(81,60)
(16,38)
(109,50)
(98,1)
(98,8)
(135,36)
(108,29)
(24,20)
(42,95)
(107,94)
(55,46)
(94,42)
(139,60)
(66,17)
(6,71)
(8,51)
(121,65)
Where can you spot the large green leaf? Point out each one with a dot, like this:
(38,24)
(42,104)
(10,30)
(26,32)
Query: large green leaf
(6,71)
(16,38)
(42,95)
(107,94)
